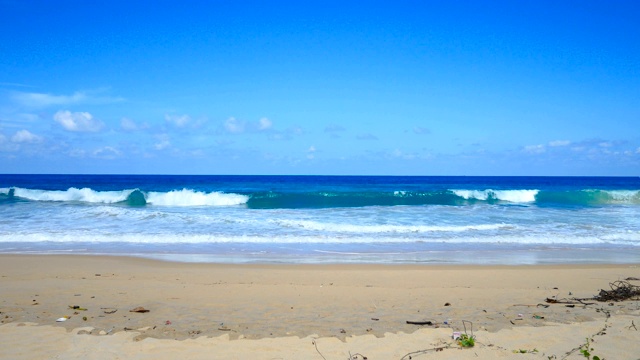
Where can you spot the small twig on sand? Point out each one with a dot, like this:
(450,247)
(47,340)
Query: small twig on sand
(355,356)
(420,352)
(532,305)
(316,345)
(568,301)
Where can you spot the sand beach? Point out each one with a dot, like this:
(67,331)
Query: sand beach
(226,311)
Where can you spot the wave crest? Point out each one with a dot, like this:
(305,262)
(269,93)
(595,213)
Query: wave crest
(130,197)
(86,195)
(514,196)
(187,197)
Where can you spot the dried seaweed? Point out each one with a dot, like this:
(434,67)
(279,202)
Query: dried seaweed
(620,291)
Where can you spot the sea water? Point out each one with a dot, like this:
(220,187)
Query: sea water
(325,219)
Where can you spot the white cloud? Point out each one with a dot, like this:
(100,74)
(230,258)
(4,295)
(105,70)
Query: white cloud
(24,136)
(535,149)
(264,124)
(605,144)
(78,121)
(234,126)
(42,100)
(163,142)
(79,153)
(107,152)
(559,143)
(32,99)
(638,150)
(179,121)
(128,124)
(311,152)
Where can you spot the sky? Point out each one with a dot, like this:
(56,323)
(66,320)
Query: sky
(453,87)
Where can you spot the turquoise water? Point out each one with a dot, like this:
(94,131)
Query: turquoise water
(325,219)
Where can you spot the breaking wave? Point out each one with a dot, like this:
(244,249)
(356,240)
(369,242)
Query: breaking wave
(130,197)
(327,199)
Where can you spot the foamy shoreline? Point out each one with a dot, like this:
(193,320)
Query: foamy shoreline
(277,311)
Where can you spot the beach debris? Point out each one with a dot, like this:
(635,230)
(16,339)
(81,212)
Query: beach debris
(410,355)
(357,356)
(109,310)
(447,304)
(63,319)
(620,291)
(632,278)
(84,318)
(525,351)
(316,346)
(456,335)
(168,322)
(465,340)
(375,319)
(139,309)
(569,301)
(427,322)
(76,307)
(224,328)
(528,305)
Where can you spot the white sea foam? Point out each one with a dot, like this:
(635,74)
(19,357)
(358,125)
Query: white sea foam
(514,196)
(624,196)
(177,239)
(186,197)
(74,194)
(371,229)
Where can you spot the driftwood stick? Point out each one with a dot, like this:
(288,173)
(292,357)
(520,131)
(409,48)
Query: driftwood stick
(419,322)
(568,301)
(532,305)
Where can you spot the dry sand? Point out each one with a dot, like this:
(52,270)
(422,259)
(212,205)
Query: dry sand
(213,311)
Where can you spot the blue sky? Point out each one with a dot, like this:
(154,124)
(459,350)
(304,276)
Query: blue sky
(320,87)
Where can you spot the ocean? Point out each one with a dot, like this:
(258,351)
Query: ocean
(325,219)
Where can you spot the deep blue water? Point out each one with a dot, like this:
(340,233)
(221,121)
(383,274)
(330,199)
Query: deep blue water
(376,219)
